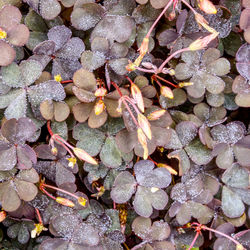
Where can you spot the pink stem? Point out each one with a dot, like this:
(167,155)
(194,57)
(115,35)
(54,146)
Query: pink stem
(194,240)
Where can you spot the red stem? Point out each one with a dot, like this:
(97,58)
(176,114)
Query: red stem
(49,128)
(166,81)
(47,193)
(117,88)
(39,216)
(194,240)
(68,81)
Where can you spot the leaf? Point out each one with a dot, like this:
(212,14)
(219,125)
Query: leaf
(49,9)
(145,200)
(8,158)
(123,188)
(242,58)
(198,153)
(110,155)
(8,54)
(232,205)
(186,132)
(147,176)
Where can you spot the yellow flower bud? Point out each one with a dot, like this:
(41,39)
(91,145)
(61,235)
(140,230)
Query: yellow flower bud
(137,95)
(207,6)
(81,154)
(184,84)
(201,43)
(2,215)
(144,125)
(131,66)
(82,201)
(99,107)
(143,141)
(172,72)
(144,46)
(155,115)
(65,202)
(100,92)
(54,151)
(166,92)
(58,78)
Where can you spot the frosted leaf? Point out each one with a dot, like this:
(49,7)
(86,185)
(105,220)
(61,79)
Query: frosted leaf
(8,158)
(86,234)
(210,55)
(60,35)
(31,70)
(84,95)
(90,140)
(95,171)
(145,200)
(142,227)
(72,49)
(63,175)
(214,84)
(118,50)
(178,193)
(236,177)
(198,153)
(241,151)
(145,13)
(225,158)
(180,97)
(119,65)
(8,54)
(201,212)
(201,110)
(45,48)
(49,9)
(25,156)
(35,38)
(174,142)
(166,37)
(118,28)
(86,16)
(126,140)
(51,244)
(65,68)
(235,132)
(243,100)
(10,16)
(82,111)
(19,35)
(242,58)
(17,108)
(47,109)
(111,107)
(46,169)
(27,191)
(186,132)
(60,128)
(84,79)
(215,100)
(35,22)
(110,155)
(121,7)
(123,188)
(100,44)
(92,60)
(219,67)
(46,90)
(11,76)
(160,230)
(147,176)
(183,71)
(197,90)
(232,205)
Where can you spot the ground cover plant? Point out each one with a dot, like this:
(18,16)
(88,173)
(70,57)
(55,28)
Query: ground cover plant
(124,124)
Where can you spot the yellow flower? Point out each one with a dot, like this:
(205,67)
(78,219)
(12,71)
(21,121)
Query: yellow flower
(184,84)
(3,34)
(144,46)
(99,107)
(58,78)
(72,161)
(207,6)
(2,215)
(82,201)
(37,230)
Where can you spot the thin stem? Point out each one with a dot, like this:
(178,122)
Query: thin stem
(39,216)
(139,245)
(152,160)
(126,98)
(68,81)
(63,142)
(60,190)
(189,6)
(49,128)
(222,234)
(145,70)
(170,57)
(166,81)
(194,240)
(125,103)
(47,193)
(239,234)
(158,18)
